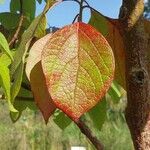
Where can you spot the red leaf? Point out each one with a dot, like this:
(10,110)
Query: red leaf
(115,39)
(78,64)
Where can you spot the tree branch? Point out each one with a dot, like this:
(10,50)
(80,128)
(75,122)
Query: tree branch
(15,36)
(137,76)
(86,131)
(132,10)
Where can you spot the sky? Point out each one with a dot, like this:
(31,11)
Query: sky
(65,12)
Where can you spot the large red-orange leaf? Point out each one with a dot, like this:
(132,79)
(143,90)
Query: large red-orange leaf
(38,83)
(110,28)
(78,64)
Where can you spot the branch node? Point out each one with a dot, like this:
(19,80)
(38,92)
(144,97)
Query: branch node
(123,12)
(138,76)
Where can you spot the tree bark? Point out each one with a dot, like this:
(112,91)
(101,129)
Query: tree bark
(137,77)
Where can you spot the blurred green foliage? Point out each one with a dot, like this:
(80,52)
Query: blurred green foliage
(31,133)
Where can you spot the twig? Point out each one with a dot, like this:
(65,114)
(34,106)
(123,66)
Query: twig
(15,37)
(86,131)
(75,18)
(86,3)
(72,0)
(21,7)
(80,11)
(91,8)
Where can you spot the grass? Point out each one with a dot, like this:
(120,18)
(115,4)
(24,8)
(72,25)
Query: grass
(31,133)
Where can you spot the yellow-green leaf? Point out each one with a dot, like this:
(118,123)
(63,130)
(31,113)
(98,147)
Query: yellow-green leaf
(5,83)
(99,22)
(41,28)
(98,114)
(4,46)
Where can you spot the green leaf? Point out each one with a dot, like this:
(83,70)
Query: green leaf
(23,103)
(4,46)
(7,20)
(61,119)
(18,76)
(22,49)
(28,7)
(6,59)
(17,82)
(98,114)
(18,65)
(78,65)
(99,22)
(5,83)
(27,36)
(14,6)
(115,92)
(15,88)
(24,100)
(41,28)
(20,57)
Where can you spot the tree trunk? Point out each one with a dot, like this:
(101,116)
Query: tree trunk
(137,77)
